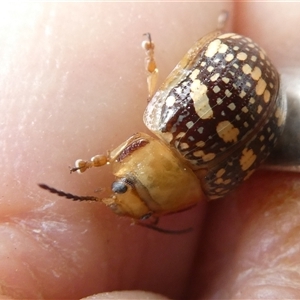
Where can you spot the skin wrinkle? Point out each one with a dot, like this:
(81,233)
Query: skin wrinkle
(283,263)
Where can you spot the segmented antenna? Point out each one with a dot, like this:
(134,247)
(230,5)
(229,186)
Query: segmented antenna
(67,195)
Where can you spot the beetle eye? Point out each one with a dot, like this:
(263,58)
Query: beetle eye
(119,187)
(146,216)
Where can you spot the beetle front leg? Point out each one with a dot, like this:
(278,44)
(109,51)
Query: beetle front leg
(153,224)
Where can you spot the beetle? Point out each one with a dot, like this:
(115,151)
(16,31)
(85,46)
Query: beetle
(217,117)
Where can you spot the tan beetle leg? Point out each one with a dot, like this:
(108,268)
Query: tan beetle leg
(150,65)
(96,161)
(153,224)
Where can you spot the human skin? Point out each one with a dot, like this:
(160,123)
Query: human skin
(73,85)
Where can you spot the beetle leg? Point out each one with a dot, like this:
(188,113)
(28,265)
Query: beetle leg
(163,230)
(152,223)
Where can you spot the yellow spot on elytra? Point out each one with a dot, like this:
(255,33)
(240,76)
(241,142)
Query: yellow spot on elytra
(227,181)
(189,124)
(218,181)
(252,100)
(198,153)
(180,135)
(219,101)
(227,132)
(229,57)
(216,89)
(231,106)
(220,173)
(200,144)
(226,35)
(254,58)
(247,159)
(245,109)
(241,56)
(210,68)
(223,48)
(170,101)
(194,74)
(242,94)
(260,87)
(184,146)
(225,79)
(262,55)
(208,157)
(267,96)
(205,157)
(201,101)
(213,48)
(228,93)
(256,73)
(246,69)
(215,77)
(259,109)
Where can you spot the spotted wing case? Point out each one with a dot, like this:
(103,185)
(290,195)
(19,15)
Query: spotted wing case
(221,109)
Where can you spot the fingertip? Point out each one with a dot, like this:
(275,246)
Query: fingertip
(126,295)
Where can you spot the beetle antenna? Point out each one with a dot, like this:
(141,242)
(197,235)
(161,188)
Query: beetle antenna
(222,19)
(67,195)
(148,35)
(150,65)
(96,161)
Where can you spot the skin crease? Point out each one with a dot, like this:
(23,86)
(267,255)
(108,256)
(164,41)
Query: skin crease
(73,86)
